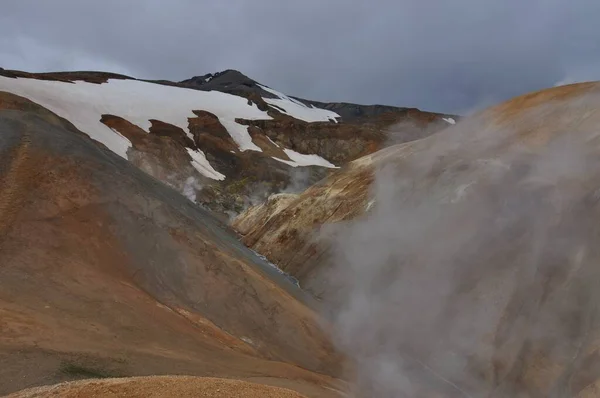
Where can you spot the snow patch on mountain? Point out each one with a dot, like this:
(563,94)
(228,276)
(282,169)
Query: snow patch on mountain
(297,109)
(449,120)
(272,142)
(201,164)
(84,103)
(300,159)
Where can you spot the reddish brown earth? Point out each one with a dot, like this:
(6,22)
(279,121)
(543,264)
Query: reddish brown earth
(107,272)
(171,386)
(209,132)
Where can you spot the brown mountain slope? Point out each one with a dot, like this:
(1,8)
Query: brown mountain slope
(107,272)
(475,270)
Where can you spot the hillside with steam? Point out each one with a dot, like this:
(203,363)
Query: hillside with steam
(464,264)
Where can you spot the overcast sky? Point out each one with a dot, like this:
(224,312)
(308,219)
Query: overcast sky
(440,55)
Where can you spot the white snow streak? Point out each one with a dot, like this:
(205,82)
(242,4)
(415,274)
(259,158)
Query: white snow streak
(449,120)
(308,160)
(272,142)
(298,110)
(300,159)
(201,164)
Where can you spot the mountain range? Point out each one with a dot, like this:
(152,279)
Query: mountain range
(117,259)
(237,139)
(218,235)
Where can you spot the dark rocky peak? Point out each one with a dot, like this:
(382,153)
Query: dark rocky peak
(235,82)
(228,81)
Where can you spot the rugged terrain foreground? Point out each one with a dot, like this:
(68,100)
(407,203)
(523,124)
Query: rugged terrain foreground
(159,386)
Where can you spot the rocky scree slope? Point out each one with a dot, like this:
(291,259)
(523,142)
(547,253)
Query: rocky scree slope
(222,139)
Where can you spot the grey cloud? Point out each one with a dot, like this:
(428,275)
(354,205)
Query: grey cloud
(436,54)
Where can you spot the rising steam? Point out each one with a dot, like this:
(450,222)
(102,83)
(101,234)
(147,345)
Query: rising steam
(476,273)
